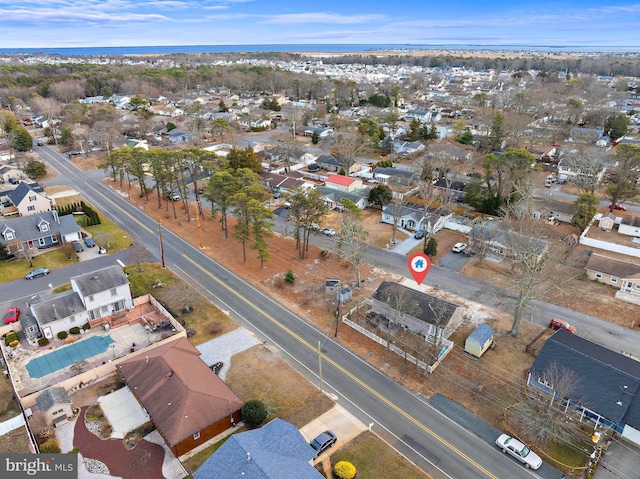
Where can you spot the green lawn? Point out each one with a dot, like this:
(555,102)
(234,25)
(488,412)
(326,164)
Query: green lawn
(104,233)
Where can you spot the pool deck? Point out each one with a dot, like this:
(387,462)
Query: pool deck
(129,333)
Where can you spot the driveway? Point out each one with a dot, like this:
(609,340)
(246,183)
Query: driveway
(621,461)
(453,261)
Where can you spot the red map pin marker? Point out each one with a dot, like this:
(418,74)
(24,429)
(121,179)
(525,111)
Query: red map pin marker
(419,265)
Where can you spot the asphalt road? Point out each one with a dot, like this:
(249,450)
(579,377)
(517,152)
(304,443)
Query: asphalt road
(433,442)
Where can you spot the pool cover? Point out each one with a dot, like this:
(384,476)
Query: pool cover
(66,356)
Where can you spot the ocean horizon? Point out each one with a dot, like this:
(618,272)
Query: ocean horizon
(311,48)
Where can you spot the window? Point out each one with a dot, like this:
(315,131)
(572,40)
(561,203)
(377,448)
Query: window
(41,241)
(33,198)
(614,279)
(196,436)
(104,309)
(598,275)
(8,235)
(44,227)
(94,313)
(114,292)
(544,382)
(31,208)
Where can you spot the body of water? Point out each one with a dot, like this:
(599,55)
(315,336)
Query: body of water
(325,48)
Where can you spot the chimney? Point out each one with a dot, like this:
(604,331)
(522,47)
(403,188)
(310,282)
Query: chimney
(56,218)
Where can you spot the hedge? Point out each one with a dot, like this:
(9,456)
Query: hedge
(62,335)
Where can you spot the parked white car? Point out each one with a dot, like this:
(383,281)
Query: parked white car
(521,452)
(459,247)
(329,231)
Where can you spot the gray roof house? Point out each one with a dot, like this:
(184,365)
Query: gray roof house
(177,136)
(495,237)
(607,383)
(621,274)
(55,404)
(277,450)
(414,218)
(58,312)
(38,231)
(419,312)
(333,197)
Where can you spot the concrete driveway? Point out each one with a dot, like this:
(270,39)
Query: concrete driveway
(453,261)
(621,461)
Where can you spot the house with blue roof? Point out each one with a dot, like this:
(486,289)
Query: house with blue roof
(606,384)
(277,450)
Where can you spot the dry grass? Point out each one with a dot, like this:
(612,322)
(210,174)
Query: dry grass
(373,458)
(15,442)
(260,374)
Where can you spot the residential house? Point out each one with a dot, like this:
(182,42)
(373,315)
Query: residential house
(621,274)
(579,134)
(41,122)
(630,226)
(169,110)
(177,136)
(333,197)
(414,219)
(38,231)
(419,114)
(59,312)
(188,403)
(449,152)
(396,176)
(261,123)
(278,183)
(404,148)
(27,201)
(121,102)
(419,312)
(454,189)
(103,292)
(494,237)
(55,404)
(553,210)
(343,183)
(334,165)
(322,131)
(574,167)
(92,100)
(606,384)
(276,450)
(10,173)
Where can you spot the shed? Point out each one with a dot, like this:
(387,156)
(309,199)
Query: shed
(479,341)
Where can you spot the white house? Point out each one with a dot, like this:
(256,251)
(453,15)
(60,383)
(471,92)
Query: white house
(27,201)
(103,292)
(93,296)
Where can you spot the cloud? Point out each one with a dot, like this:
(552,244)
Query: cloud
(335,18)
(75,16)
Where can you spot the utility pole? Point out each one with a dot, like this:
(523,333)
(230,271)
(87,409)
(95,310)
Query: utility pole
(161,244)
(337,313)
(198,223)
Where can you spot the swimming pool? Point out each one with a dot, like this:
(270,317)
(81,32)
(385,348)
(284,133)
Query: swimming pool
(66,356)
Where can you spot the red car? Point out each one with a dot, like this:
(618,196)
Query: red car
(12,315)
(618,206)
(556,323)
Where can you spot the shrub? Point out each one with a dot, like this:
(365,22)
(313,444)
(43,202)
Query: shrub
(50,447)
(14,343)
(75,450)
(86,326)
(75,330)
(43,342)
(344,470)
(62,335)
(254,413)
(10,337)
(289,277)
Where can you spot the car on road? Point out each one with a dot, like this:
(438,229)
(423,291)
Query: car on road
(618,206)
(419,234)
(323,441)
(329,231)
(520,451)
(36,273)
(557,323)
(89,243)
(12,315)
(459,247)
(40,143)
(77,246)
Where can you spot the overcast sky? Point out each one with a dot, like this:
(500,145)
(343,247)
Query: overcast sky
(79,23)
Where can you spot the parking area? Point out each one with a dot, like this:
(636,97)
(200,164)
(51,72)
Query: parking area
(453,261)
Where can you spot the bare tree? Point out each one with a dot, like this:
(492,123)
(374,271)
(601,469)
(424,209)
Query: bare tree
(352,243)
(38,425)
(183,296)
(346,148)
(49,108)
(589,163)
(103,238)
(138,254)
(544,420)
